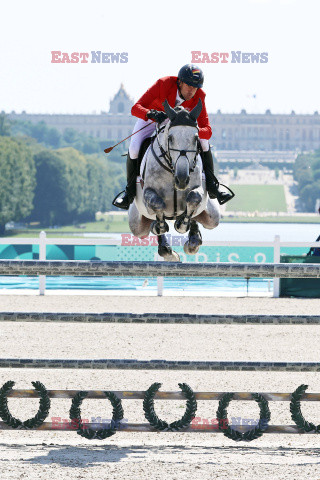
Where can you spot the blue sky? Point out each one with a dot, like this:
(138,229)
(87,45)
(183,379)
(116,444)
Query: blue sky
(159,40)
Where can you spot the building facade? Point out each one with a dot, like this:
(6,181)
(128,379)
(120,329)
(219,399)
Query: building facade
(231,131)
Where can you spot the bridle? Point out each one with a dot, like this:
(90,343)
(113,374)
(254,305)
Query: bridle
(182,153)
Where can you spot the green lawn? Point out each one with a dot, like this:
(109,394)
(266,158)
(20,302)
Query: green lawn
(277,219)
(261,198)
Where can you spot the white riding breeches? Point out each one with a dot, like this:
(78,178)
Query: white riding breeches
(204,144)
(137,139)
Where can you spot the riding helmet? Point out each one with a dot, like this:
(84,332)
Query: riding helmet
(191,75)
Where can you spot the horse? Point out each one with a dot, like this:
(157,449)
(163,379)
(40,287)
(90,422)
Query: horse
(172,185)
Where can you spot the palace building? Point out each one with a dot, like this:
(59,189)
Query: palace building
(235,135)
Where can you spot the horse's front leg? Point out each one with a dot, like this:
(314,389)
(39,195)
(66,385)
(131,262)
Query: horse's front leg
(193,200)
(192,245)
(155,205)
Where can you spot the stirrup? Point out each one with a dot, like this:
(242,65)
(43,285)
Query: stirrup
(121,201)
(222,202)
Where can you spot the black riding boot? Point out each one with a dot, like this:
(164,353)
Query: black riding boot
(212,183)
(125,198)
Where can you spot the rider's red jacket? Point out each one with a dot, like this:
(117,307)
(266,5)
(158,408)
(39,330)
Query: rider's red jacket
(166,88)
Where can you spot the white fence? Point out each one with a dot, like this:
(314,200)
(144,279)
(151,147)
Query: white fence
(43,241)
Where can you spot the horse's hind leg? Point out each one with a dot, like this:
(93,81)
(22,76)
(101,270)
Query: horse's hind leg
(165,250)
(193,200)
(210,217)
(139,224)
(192,245)
(155,205)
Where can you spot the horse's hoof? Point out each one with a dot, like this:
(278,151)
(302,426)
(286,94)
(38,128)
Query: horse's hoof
(192,245)
(168,254)
(182,225)
(174,257)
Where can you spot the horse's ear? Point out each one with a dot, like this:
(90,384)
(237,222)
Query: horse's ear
(169,111)
(195,112)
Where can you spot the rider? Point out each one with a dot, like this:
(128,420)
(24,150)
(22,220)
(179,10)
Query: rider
(183,90)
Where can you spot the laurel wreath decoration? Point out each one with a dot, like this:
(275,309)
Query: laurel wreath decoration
(296,415)
(251,434)
(34,422)
(161,425)
(102,433)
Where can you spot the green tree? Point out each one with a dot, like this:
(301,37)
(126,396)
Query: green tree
(70,135)
(36,130)
(309,195)
(307,174)
(61,193)
(5,125)
(53,137)
(17,181)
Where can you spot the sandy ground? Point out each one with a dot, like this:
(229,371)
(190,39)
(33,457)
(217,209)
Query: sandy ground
(56,455)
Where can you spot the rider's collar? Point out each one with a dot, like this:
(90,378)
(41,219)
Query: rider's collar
(179,96)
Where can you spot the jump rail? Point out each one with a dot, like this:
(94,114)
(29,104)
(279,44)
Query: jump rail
(133,364)
(145,427)
(154,269)
(160,318)
(139,395)
(103,428)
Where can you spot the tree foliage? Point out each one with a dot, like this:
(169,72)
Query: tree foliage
(17,180)
(70,187)
(307,174)
(5,126)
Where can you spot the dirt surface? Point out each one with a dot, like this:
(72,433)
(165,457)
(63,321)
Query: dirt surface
(201,456)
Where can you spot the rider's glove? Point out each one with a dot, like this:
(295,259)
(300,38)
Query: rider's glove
(157,116)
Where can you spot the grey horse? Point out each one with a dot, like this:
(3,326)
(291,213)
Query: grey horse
(172,186)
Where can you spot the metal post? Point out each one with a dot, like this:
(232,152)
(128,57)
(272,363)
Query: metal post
(160,281)
(42,256)
(276,259)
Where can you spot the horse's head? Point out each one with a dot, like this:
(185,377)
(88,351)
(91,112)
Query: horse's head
(181,136)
